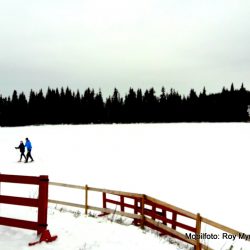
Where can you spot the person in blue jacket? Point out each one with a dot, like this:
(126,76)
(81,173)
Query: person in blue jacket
(29,148)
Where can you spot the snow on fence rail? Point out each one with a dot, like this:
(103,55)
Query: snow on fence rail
(150,212)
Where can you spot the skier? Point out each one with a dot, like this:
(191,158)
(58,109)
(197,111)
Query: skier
(21,147)
(29,147)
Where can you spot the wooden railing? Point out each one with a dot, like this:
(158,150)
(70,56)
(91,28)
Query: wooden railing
(150,212)
(41,202)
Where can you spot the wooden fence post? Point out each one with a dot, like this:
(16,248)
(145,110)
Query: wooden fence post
(86,199)
(135,206)
(164,214)
(153,211)
(142,211)
(174,218)
(122,202)
(104,203)
(198,231)
(42,203)
(135,222)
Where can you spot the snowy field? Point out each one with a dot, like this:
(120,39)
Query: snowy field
(198,167)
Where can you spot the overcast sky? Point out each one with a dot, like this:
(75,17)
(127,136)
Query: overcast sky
(178,44)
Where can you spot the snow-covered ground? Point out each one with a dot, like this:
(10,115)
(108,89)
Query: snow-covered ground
(198,167)
(77,232)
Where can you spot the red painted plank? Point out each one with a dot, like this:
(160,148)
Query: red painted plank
(151,203)
(18,223)
(19,201)
(129,206)
(174,223)
(104,196)
(122,203)
(186,227)
(125,205)
(113,202)
(43,204)
(19,179)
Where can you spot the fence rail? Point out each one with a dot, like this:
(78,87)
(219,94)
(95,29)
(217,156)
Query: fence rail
(41,202)
(148,211)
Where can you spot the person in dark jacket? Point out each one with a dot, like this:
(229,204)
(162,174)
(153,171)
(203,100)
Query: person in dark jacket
(29,148)
(21,147)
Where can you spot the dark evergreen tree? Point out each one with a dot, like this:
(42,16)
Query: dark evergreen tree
(174,110)
(193,111)
(100,114)
(23,110)
(163,106)
(114,105)
(76,119)
(150,106)
(88,106)
(131,109)
(66,106)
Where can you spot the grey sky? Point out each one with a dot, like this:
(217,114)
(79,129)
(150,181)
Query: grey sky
(104,44)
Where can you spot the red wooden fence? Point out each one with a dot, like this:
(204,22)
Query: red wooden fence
(152,211)
(147,211)
(41,203)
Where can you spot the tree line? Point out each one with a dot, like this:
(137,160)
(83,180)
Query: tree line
(64,106)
